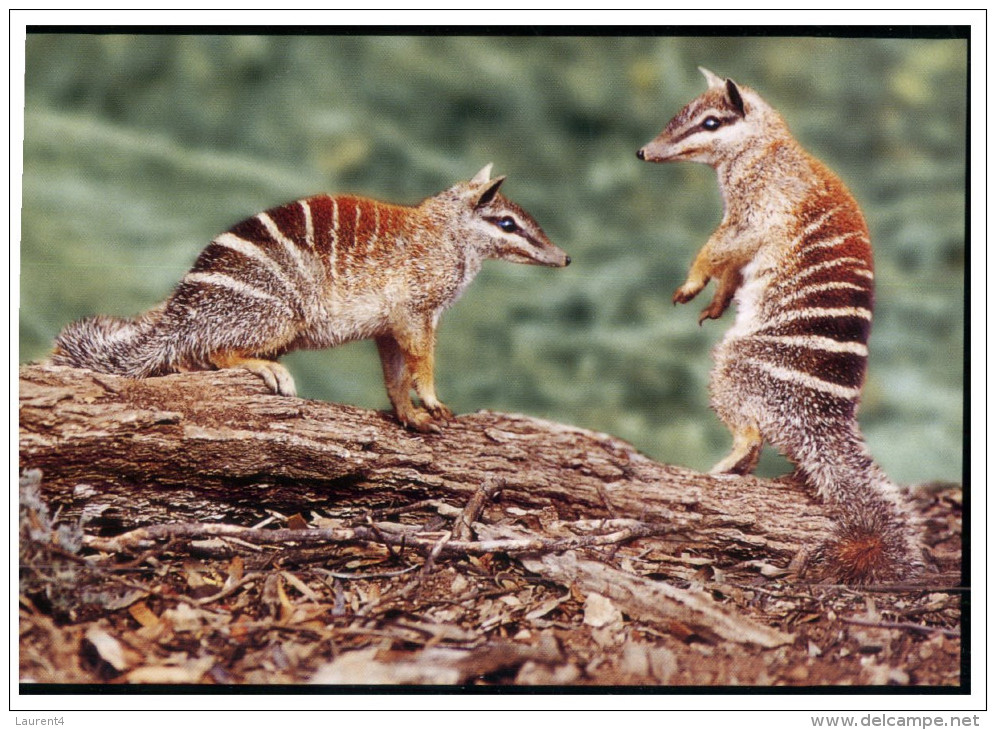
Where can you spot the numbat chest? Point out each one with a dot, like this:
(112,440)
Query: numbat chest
(316,273)
(793,252)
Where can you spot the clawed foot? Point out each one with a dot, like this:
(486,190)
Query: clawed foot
(687,292)
(716,307)
(742,460)
(426,420)
(742,466)
(714,310)
(275,375)
(439,411)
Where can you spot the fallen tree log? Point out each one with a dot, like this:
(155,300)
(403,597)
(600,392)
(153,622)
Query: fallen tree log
(217,447)
(198,516)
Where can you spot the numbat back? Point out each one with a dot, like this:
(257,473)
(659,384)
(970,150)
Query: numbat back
(794,252)
(317,273)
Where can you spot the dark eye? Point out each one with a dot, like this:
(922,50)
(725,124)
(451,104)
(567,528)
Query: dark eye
(711,124)
(507,224)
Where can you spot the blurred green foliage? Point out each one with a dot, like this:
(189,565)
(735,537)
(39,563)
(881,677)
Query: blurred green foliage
(140,148)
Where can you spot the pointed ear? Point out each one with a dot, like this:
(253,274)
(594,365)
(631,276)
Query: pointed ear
(487,194)
(483,176)
(714,81)
(733,92)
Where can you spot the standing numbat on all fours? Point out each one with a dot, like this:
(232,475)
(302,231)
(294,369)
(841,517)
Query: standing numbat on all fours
(793,250)
(317,273)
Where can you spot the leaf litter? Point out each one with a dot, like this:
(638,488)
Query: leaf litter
(362,612)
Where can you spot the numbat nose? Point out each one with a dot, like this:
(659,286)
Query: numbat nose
(639,153)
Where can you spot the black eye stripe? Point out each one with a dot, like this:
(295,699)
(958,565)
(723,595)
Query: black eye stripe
(701,126)
(506,223)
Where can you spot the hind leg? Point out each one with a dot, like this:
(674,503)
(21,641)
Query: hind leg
(212,320)
(739,405)
(747,443)
(276,376)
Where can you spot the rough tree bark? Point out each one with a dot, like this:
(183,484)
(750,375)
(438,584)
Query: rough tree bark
(216,447)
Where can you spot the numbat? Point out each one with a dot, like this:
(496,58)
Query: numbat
(793,250)
(317,273)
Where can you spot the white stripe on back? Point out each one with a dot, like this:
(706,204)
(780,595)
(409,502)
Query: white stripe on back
(309,226)
(828,265)
(376,228)
(815,342)
(817,312)
(334,236)
(817,288)
(818,223)
(831,242)
(292,249)
(253,251)
(228,282)
(804,379)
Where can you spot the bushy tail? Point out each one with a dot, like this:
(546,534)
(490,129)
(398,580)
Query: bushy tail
(876,533)
(117,345)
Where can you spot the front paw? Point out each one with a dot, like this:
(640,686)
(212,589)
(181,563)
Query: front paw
(714,310)
(438,411)
(423,421)
(687,292)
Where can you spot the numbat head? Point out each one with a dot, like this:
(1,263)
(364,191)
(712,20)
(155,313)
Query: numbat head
(724,121)
(794,252)
(316,273)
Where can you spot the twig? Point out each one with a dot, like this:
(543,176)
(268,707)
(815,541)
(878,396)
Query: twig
(361,576)
(369,515)
(145,536)
(903,625)
(475,505)
(433,554)
(226,591)
(430,561)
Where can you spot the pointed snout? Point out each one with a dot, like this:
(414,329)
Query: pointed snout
(557,258)
(654,151)
(539,254)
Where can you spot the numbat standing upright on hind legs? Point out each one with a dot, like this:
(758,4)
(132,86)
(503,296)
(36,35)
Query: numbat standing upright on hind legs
(794,251)
(317,273)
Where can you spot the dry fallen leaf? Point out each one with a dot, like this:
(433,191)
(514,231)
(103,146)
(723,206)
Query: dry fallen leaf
(108,648)
(188,673)
(236,569)
(143,614)
(297,522)
(301,586)
(184,618)
(600,611)
(546,607)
